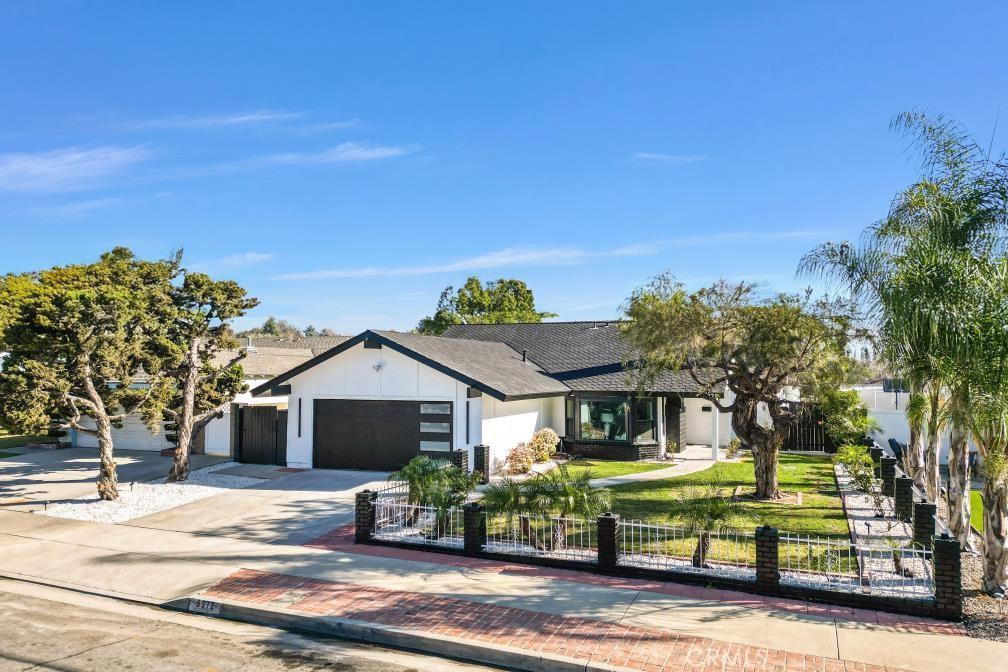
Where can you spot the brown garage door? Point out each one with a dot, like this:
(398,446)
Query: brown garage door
(376,435)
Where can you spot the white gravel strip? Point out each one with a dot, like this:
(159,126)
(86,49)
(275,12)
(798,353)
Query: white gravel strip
(151,497)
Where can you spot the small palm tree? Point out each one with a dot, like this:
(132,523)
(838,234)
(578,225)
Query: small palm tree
(422,476)
(703,509)
(516,500)
(434,483)
(568,495)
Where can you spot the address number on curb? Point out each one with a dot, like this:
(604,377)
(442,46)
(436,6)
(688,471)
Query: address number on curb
(209,607)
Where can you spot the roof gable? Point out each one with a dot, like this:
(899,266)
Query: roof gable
(491,367)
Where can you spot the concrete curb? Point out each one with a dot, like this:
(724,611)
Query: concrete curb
(402,638)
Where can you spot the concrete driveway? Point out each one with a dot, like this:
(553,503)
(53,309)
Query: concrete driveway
(29,480)
(291,509)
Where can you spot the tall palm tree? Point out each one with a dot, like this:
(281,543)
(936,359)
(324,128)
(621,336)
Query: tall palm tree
(912,271)
(703,510)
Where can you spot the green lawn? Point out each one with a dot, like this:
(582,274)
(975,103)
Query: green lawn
(820,513)
(8,440)
(607,468)
(976,510)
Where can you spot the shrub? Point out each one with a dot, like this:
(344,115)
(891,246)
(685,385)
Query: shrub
(733,448)
(544,443)
(845,418)
(520,459)
(855,460)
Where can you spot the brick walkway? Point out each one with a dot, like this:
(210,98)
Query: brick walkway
(341,540)
(629,647)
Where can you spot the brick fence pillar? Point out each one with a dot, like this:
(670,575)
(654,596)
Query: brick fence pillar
(888,471)
(364,516)
(481,462)
(924,523)
(904,498)
(948,578)
(767,559)
(876,453)
(460,458)
(608,545)
(475,529)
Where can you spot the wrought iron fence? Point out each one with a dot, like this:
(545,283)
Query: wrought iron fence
(542,536)
(399,521)
(728,554)
(875,569)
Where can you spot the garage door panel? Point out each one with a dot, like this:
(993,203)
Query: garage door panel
(365,434)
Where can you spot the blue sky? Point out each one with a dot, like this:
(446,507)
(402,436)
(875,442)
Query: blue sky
(347,161)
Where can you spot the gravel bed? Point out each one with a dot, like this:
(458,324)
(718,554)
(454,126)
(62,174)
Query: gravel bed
(144,499)
(984,617)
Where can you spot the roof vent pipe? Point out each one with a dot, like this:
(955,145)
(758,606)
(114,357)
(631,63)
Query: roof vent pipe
(524,355)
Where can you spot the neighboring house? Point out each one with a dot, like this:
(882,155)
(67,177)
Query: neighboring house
(266,357)
(382,397)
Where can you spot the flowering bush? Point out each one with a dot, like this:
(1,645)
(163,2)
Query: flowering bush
(520,459)
(544,443)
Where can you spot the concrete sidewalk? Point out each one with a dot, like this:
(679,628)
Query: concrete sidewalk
(164,566)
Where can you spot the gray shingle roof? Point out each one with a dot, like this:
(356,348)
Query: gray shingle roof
(493,365)
(262,362)
(317,344)
(587,356)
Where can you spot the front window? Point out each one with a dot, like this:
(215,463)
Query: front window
(604,419)
(645,420)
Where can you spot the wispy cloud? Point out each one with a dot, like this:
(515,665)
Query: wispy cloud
(346,152)
(76,209)
(670,159)
(66,169)
(213,121)
(508,257)
(245,258)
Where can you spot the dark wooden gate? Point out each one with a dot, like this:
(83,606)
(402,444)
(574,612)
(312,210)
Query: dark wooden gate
(808,433)
(263,435)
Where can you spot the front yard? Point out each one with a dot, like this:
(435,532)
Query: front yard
(820,512)
(608,468)
(8,440)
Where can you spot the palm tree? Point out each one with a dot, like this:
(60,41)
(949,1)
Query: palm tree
(914,271)
(516,501)
(422,476)
(557,494)
(569,495)
(703,510)
(434,483)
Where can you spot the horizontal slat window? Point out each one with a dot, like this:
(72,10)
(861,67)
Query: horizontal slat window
(435,409)
(436,427)
(435,445)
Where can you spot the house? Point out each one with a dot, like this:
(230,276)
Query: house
(382,397)
(266,357)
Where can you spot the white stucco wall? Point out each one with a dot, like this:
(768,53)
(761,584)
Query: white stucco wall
(508,423)
(698,423)
(133,435)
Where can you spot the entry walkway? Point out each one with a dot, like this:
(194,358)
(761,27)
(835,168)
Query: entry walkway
(168,566)
(693,458)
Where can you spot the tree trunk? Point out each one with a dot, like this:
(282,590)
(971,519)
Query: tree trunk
(745,414)
(914,458)
(959,487)
(932,475)
(995,551)
(559,534)
(765,466)
(108,480)
(702,548)
(180,463)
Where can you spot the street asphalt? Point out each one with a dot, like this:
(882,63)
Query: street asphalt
(42,628)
